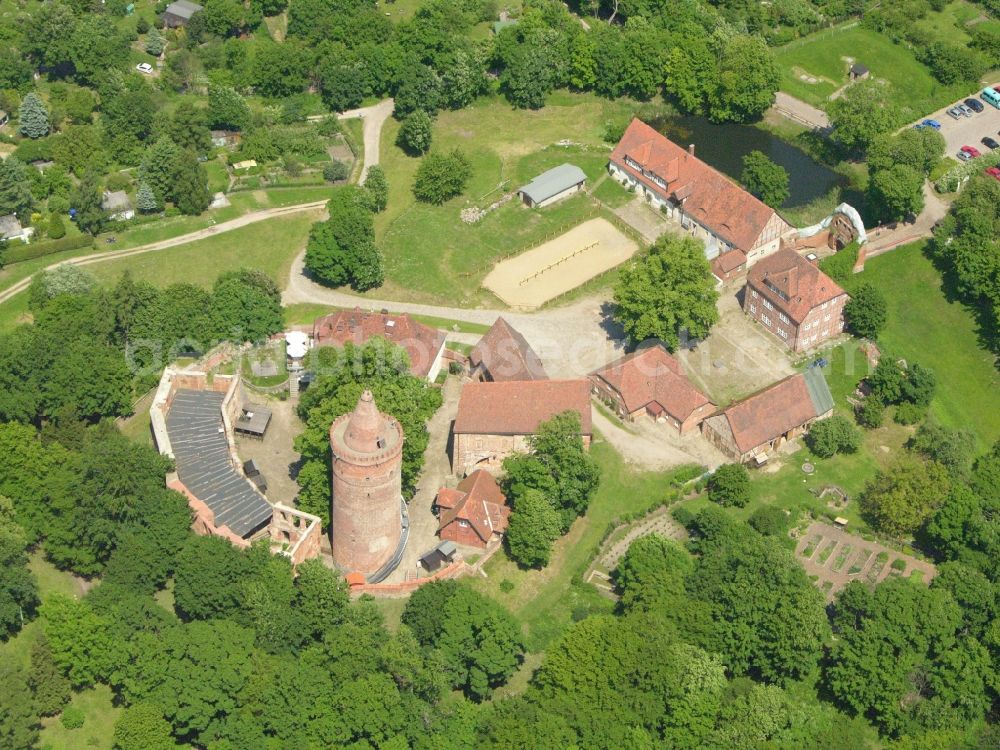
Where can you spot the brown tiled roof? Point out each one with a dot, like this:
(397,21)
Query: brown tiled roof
(772,412)
(421,342)
(708,196)
(449,498)
(506,355)
(792,284)
(480,502)
(651,376)
(729,261)
(518,407)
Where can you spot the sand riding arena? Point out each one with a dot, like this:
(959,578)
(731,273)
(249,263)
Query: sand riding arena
(532,278)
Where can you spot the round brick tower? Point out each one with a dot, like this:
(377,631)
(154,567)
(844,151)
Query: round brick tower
(365,522)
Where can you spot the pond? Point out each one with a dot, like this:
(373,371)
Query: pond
(724,146)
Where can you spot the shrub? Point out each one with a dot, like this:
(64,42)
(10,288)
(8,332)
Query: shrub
(898,564)
(441,176)
(909,413)
(871,413)
(38,249)
(335,171)
(831,436)
(415,133)
(455,368)
(769,521)
(56,228)
(730,485)
(72,717)
(118,181)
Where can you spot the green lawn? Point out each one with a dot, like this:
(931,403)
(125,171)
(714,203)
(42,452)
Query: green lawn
(952,23)
(431,255)
(545,601)
(98,727)
(821,55)
(925,327)
(269,246)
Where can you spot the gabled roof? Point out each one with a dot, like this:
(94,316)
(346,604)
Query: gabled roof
(553,182)
(518,407)
(707,195)
(116,201)
(10,226)
(506,355)
(182,8)
(652,376)
(422,343)
(792,284)
(787,404)
(479,501)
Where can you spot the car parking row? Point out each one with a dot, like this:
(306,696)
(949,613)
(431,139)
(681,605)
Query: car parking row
(970,127)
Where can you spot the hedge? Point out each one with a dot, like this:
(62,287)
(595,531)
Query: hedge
(38,249)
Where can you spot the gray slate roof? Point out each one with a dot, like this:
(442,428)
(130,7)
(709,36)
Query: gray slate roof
(819,391)
(553,182)
(194,424)
(116,201)
(182,8)
(9,226)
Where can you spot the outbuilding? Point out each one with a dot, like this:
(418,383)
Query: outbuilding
(858,72)
(11,229)
(179,13)
(117,205)
(553,185)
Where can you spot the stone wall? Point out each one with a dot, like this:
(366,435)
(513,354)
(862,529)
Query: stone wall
(405,588)
(295,534)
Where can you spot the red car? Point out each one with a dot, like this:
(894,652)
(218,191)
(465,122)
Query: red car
(994,172)
(971,151)
(997,89)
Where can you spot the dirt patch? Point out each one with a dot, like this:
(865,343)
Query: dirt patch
(274,455)
(534,277)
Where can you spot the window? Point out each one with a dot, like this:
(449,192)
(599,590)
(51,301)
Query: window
(826,319)
(658,180)
(632,163)
(753,293)
(463,523)
(783,333)
(765,320)
(753,309)
(768,305)
(782,317)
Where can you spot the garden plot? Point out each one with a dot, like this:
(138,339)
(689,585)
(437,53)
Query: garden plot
(532,278)
(833,558)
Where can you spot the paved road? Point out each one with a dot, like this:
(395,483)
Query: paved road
(226,226)
(796,109)
(935,209)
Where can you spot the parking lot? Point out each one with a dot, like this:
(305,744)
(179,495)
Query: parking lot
(968,131)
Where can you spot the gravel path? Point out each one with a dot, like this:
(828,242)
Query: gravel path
(802,113)
(374,118)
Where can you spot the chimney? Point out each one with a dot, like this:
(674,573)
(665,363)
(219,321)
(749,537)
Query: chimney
(691,149)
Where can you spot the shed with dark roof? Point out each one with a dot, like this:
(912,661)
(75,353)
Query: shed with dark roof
(179,13)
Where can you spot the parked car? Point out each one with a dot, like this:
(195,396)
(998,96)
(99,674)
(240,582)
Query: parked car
(990,143)
(931,124)
(972,151)
(963,155)
(954,113)
(144,68)
(964,109)
(997,89)
(974,104)
(994,172)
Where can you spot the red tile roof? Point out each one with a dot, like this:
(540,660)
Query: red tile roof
(792,284)
(480,503)
(421,342)
(770,413)
(506,355)
(708,196)
(652,376)
(730,260)
(518,407)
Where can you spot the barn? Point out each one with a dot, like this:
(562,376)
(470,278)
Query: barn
(553,185)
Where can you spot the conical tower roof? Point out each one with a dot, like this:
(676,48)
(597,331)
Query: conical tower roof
(364,425)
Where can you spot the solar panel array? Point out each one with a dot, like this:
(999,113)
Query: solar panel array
(194,424)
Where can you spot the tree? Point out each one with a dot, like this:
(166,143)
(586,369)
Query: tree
(441,177)
(769,520)
(15,190)
(18,589)
(336,171)
(919,149)
(341,250)
(33,117)
(279,70)
(321,599)
(56,229)
(142,727)
(668,290)
(227,109)
(862,113)
(953,449)
(480,643)
(80,642)
(145,199)
(920,385)
(188,128)
(887,380)
(207,578)
(48,35)
(765,179)
(867,311)
(534,525)
(18,718)
(558,467)
(48,684)
(159,168)
(95,47)
(898,192)
(528,77)
(425,610)
(190,189)
(898,500)
(86,199)
(835,435)
(415,133)
(746,80)
(377,188)
(246,306)
(730,485)
(651,573)
(155,43)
